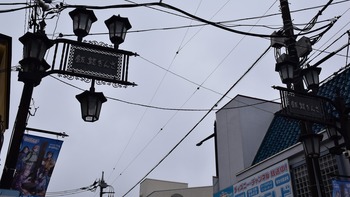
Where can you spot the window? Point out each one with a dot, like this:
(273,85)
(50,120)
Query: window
(328,166)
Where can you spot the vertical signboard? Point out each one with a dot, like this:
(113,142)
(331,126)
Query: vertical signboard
(35,164)
(340,188)
(274,181)
(5,76)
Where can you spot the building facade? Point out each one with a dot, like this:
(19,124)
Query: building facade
(259,153)
(161,188)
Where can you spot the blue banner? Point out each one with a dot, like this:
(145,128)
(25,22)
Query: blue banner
(35,164)
(341,188)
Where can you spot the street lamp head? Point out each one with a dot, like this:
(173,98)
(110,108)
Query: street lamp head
(82,21)
(91,103)
(285,68)
(35,45)
(33,64)
(311,77)
(311,143)
(117,27)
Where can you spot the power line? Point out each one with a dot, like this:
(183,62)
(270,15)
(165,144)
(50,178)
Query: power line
(195,126)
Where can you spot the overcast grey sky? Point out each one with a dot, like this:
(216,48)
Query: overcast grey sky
(130,139)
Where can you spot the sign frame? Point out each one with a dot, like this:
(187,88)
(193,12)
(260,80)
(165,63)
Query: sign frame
(303,106)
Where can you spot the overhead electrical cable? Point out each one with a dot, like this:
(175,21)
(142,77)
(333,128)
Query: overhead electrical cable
(201,119)
(15,9)
(230,52)
(13,3)
(167,12)
(167,122)
(164,5)
(144,113)
(187,14)
(323,50)
(181,107)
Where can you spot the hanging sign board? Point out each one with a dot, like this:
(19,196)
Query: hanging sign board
(97,61)
(93,62)
(304,106)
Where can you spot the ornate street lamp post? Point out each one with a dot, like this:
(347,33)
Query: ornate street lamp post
(34,68)
(290,72)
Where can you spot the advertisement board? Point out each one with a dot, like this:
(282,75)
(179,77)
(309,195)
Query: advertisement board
(35,164)
(341,188)
(274,181)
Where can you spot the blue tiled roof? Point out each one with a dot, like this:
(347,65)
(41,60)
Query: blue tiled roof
(284,132)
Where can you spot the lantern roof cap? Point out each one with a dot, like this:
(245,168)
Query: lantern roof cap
(83,11)
(119,18)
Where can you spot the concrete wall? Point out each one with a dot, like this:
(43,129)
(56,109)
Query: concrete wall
(241,127)
(189,192)
(150,185)
(160,188)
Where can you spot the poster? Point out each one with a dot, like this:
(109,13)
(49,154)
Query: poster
(341,188)
(35,164)
(274,181)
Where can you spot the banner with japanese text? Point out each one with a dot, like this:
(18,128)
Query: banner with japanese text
(274,181)
(35,164)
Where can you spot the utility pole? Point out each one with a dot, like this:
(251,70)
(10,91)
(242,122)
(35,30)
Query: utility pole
(102,184)
(313,166)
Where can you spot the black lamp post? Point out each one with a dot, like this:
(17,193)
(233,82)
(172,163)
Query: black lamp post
(82,21)
(32,68)
(117,27)
(91,103)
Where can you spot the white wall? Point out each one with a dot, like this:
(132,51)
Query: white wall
(150,185)
(241,127)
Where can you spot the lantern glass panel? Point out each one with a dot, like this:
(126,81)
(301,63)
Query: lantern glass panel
(116,32)
(91,103)
(34,48)
(311,144)
(286,72)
